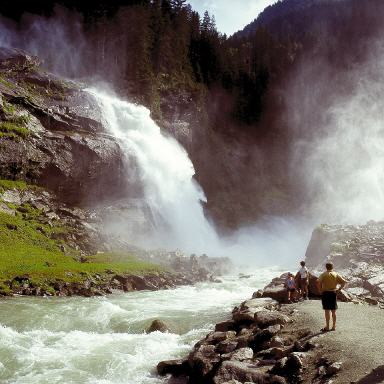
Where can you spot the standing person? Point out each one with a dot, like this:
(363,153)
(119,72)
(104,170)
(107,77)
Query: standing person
(291,287)
(328,283)
(302,277)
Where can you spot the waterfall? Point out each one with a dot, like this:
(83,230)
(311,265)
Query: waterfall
(165,173)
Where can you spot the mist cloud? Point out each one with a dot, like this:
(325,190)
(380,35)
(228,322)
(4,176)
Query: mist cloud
(58,40)
(336,117)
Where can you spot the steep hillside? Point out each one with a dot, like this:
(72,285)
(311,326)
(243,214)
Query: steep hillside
(244,106)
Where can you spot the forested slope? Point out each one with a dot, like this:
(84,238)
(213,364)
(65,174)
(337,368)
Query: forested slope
(232,91)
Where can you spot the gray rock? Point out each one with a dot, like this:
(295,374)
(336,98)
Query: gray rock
(203,360)
(277,341)
(266,318)
(225,326)
(278,293)
(173,367)
(226,346)
(333,368)
(239,355)
(157,325)
(344,296)
(217,337)
(240,371)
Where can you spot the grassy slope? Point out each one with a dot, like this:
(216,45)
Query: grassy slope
(27,247)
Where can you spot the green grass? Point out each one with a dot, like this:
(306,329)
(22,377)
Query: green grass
(5,82)
(13,130)
(30,246)
(12,184)
(25,249)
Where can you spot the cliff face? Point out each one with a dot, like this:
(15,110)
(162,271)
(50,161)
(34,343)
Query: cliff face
(51,133)
(356,251)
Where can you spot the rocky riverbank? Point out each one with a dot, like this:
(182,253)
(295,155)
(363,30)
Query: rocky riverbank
(260,343)
(52,249)
(269,341)
(357,251)
(102,284)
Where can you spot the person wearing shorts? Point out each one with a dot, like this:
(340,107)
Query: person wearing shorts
(302,277)
(329,282)
(291,287)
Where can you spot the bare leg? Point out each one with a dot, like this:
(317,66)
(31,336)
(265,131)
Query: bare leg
(327,313)
(334,319)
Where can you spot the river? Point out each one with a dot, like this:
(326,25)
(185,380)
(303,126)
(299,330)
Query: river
(101,340)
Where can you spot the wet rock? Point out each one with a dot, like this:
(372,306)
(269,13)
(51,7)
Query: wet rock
(157,325)
(203,360)
(243,372)
(225,326)
(226,346)
(18,59)
(174,367)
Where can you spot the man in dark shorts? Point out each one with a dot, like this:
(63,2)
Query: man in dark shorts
(302,277)
(328,283)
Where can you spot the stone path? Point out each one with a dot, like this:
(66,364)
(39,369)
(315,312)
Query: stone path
(358,341)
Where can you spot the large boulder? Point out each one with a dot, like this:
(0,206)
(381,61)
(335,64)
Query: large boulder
(157,325)
(266,318)
(278,293)
(243,372)
(203,360)
(16,58)
(174,367)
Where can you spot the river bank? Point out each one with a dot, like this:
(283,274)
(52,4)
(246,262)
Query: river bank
(265,341)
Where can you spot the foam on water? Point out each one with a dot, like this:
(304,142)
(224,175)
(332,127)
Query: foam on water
(166,174)
(101,340)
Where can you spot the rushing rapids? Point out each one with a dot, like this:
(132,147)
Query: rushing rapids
(102,340)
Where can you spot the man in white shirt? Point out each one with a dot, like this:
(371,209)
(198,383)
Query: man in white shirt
(303,278)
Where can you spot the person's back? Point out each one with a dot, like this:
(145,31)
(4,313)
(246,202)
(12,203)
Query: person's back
(327,284)
(303,272)
(302,278)
(329,280)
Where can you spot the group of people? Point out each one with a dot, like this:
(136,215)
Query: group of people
(328,283)
(297,286)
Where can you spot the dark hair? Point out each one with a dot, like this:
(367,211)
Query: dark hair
(329,266)
(302,263)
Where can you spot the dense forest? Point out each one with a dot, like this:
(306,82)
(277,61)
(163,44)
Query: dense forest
(151,49)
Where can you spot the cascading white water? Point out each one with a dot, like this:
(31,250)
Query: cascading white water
(166,174)
(100,340)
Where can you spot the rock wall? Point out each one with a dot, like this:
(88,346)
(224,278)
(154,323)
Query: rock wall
(357,252)
(51,134)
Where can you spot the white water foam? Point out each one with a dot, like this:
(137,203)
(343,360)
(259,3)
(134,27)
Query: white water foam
(166,174)
(101,340)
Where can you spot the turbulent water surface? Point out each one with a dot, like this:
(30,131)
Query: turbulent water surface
(101,340)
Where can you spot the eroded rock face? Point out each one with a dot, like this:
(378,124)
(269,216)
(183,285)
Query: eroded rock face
(63,145)
(357,253)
